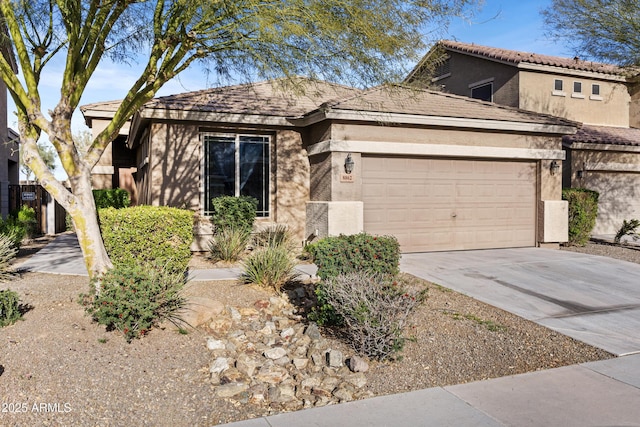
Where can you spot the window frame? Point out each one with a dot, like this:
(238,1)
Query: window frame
(595,96)
(266,213)
(556,91)
(577,93)
(482,84)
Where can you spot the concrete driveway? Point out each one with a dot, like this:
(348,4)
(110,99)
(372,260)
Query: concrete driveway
(590,298)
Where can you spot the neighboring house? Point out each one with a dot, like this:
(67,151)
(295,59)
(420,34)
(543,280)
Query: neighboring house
(440,172)
(603,155)
(9,156)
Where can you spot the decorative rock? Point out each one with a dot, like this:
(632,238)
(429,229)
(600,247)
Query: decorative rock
(287,393)
(235,314)
(313,332)
(357,364)
(358,380)
(248,312)
(233,375)
(317,359)
(334,358)
(247,364)
(261,304)
(300,363)
(199,310)
(219,365)
(214,344)
(310,383)
(321,391)
(330,383)
(275,353)
(231,389)
(287,333)
(220,325)
(343,394)
(284,360)
(272,375)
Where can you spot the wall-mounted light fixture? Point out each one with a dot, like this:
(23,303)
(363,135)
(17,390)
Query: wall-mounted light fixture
(554,167)
(348,164)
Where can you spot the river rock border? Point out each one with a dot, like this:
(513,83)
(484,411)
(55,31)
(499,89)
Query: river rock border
(266,355)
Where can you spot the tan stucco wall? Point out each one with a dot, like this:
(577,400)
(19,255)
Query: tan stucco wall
(615,174)
(536,94)
(174,172)
(466,70)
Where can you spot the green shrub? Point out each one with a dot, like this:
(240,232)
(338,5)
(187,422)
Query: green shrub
(148,235)
(269,267)
(359,252)
(628,228)
(9,307)
(134,299)
(228,244)
(7,252)
(234,212)
(111,198)
(583,210)
(374,310)
(27,217)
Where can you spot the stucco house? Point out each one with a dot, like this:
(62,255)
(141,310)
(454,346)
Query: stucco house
(439,171)
(9,155)
(603,155)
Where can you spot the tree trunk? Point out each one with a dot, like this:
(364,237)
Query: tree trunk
(85,220)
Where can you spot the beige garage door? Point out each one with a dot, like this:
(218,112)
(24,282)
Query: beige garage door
(450,204)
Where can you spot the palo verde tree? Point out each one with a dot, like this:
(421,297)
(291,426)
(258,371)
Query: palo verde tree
(605,30)
(350,41)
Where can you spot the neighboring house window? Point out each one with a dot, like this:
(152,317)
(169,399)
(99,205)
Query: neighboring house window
(577,90)
(483,92)
(558,85)
(236,165)
(595,92)
(577,87)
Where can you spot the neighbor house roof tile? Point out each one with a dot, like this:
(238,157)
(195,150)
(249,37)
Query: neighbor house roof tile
(516,57)
(605,135)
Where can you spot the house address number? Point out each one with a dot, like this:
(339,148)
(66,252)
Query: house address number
(347,177)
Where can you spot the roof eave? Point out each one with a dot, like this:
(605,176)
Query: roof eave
(439,121)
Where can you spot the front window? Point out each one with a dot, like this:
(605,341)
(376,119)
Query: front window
(557,85)
(236,165)
(577,87)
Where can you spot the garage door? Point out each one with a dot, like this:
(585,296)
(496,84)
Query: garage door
(450,204)
(619,198)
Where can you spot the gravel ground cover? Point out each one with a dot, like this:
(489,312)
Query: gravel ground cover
(59,368)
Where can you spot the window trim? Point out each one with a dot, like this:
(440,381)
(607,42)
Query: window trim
(558,92)
(577,93)
(236,135)
(595,96)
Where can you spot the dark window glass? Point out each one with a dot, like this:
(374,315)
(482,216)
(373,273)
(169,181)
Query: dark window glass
(484,92)
(577,87)
(557,85)
(595,90)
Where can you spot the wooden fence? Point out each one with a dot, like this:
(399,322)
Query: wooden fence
(51,217)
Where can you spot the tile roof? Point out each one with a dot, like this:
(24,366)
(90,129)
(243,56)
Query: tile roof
(268,98)
(517,57)
(410,100)
(605,135)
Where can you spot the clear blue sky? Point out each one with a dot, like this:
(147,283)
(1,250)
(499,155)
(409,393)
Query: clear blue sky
(510,24)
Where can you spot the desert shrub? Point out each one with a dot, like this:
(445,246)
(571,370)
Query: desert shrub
(628,228)
(269,267)
(27,217)
(275,235)
(111,198)
(9,307)
(14,230)
(583,210)
(7,252)
(374,310)
(234,212)
(148,235)
(228,244)
(133,299)
(359,252)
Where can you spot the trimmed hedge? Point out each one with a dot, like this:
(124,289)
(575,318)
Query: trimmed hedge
(583,210)
(111,198)
(356,253)
(154,235)
(234,212)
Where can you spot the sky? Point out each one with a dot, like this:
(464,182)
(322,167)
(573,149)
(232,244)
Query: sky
(509,24)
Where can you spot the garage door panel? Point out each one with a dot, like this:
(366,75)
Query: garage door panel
(449,204)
